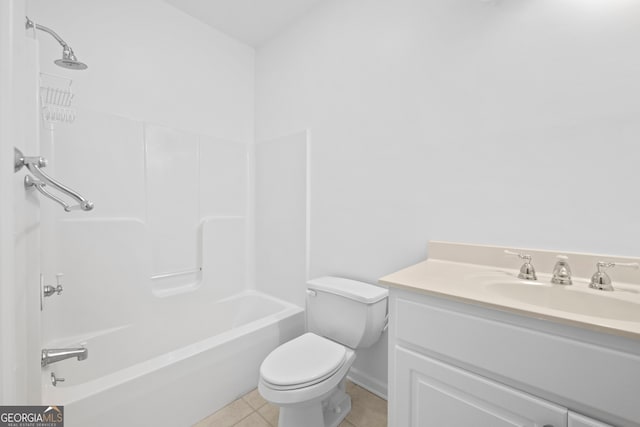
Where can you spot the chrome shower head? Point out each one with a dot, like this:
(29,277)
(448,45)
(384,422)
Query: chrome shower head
(70,64)
(68,59)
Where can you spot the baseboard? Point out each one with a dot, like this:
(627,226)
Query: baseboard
(375,386)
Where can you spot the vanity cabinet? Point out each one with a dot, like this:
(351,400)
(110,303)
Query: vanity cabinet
(454,363)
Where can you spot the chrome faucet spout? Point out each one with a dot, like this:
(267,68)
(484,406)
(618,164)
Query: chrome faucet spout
(53,355)
(561,271)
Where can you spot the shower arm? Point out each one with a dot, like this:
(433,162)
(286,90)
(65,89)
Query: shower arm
(34,164)
(69,59)
(31,24)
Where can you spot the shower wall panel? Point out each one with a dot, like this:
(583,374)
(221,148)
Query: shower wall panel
(224,244)
(223,178)
(166,201)
(105,263)
(172,200)
(102,156)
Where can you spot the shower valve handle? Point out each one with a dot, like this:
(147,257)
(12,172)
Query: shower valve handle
(50,290)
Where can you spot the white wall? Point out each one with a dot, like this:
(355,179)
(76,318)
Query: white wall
(151,62)
(508,122)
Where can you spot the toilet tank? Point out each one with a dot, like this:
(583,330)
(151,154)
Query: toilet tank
(347,311)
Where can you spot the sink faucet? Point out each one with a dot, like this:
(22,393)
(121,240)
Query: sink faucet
(601,280)
(53,355)
(527,272)
(561,271)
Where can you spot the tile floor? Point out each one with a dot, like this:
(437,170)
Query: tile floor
(251,410)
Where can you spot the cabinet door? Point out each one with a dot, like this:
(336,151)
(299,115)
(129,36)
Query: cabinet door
(577,420)
(433,394)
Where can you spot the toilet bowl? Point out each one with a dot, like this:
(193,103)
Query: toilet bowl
(301,375)
(306,376)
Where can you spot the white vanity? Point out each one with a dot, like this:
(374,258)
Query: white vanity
(471,344)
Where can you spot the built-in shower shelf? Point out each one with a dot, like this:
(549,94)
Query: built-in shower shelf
(176,274)
(176,282)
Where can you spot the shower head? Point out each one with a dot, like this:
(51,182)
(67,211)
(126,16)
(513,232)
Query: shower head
(68,59)
(71,64)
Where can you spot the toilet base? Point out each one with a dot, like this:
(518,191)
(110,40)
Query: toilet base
(324,412)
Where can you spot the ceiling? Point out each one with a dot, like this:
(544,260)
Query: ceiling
(250,21)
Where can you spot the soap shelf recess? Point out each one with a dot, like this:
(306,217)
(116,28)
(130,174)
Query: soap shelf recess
(55,99)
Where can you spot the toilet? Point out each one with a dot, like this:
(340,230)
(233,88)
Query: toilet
(306,376)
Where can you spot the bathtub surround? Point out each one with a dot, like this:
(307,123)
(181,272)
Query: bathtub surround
(196,189)
(151,230)
(172,194)
(147,93)
(137,117)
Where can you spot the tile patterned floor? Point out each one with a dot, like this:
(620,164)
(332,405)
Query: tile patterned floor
(251,410)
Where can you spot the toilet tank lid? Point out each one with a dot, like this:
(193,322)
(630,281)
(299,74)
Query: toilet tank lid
(352,289)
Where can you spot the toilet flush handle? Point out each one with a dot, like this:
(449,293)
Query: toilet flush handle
(311,293)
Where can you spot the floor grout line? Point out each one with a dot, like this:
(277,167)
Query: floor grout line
(364,397)
(265,420)
(242,419)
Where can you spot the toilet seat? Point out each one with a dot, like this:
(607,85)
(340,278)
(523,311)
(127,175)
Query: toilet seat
(302,362)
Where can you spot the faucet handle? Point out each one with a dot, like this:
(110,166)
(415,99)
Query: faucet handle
(520,255)
(59,287)
(617,264)
(527,272)
(601,280)
(49,290)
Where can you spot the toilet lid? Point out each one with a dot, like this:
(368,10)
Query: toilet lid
(303,361)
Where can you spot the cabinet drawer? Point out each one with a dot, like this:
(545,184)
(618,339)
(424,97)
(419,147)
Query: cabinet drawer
(431,393)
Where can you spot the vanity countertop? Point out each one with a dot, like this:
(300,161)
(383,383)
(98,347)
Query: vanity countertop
(484,275)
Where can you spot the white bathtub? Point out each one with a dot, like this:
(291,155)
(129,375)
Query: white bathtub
(173,368)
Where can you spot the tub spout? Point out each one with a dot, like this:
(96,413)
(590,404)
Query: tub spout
(53,355)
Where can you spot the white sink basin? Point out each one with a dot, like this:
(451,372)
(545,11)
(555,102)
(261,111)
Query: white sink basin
(573,299)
